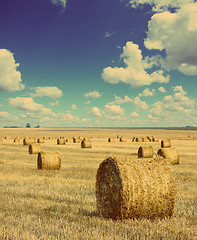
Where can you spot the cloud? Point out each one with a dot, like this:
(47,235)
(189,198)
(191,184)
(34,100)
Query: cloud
(134,114)
(94,94)
(108,34)
(180,48)
(54,103)
(74,107)
(52,92)
(162,89)
(119,100)
(134,73)
(140,105)
(175,103)
(60,2)
(28,105)
(96,112)
(4,114)
(114,110)
(10,78)
(88,102)
(160,6)
(147,92)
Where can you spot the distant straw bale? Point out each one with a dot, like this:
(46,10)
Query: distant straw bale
(61,141)
(154,139)
(170,154)
(17,140)
(40,140)
(49,161)
(144,140)
(145,152)
(134,139)
(127,188)
(29,141)
(122,139)
(86,144)
(138,139)
(111,139)
(34,148)
(8,137)
(165,143)
(76,140)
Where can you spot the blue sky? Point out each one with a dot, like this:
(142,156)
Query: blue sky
(114,63)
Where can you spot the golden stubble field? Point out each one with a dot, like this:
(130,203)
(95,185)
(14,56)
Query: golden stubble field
(43,204)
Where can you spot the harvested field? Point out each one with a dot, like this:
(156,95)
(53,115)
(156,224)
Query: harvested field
(61,204)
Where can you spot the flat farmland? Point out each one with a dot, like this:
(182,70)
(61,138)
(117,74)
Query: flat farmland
(61,204)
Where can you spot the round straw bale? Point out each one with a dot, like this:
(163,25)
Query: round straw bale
(8,137)
(134,139)
(154,139)
(118,136)
(49,161)
(127,188)
(170,154)
(145,152)
(144,140)
(29,141)
(138,139)
(34,149)
(86,139)
(165,143)
(86,144)
(111,139)
(17,139)
(40,140)
(61,141)
(76,140)
(122,139)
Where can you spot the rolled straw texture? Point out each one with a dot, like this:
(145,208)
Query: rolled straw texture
(165,143)
(138,139)
(145,152)
(170,154)
(34,149)
(49,161)
(127,188)
(86,144)
(61,141)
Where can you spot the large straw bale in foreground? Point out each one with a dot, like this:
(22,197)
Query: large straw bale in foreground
(49,161)
(34,149)
(170,154)
(86,144)
(127,188)
(145,152)
(166,143)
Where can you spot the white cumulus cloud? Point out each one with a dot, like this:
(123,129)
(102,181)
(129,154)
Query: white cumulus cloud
(162,89)
(52,92)
(176,34)
(114,110)
(134,73)
(54,103)
(147,92)
(96,112)
(10,78)
(140,105)
(60,2)
(4,114)
(94,94)
(74,107)
(28,105)
(134,114)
